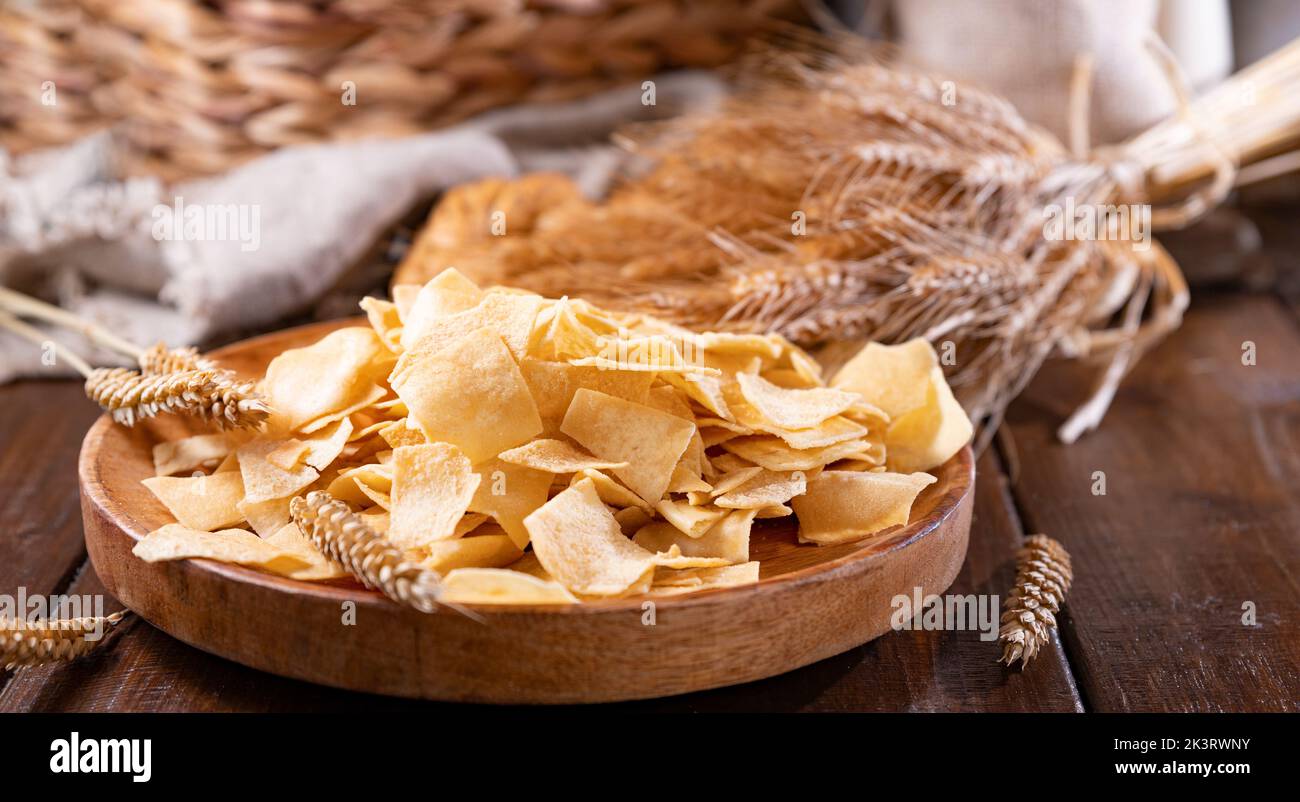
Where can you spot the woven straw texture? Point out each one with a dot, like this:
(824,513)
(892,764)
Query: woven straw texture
(199,87)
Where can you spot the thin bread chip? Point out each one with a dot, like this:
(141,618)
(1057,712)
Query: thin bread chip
(479,551)
(509,315)
(768,489)
(691,520)
(342,368)
(374,396)
(510,493)
(553,385)
(733,479)
(578,541)
(433,485)
(631,519)
(501,586)
(325,445)
(610,491)
(470,394)
(263,480)
(317,566)
(777,511)
(775,455)
(670,583)
(239,546)
(556,456)
(928,436)
(287,454)
(793,409)
(727,539)
(842,505)
(190,453)
(446,294)
(674,559)
(205,503)
(894,378)
(266,517)
(650,441)
(385,320)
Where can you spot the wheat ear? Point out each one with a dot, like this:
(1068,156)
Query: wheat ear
(1043,577)
(209,394)
(161,359)
(25,643)
(347,540)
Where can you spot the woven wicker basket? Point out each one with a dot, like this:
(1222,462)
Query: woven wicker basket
(198,87)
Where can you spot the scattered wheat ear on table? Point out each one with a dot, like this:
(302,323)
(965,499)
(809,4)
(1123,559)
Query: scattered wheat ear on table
(24,643)
(1043,577)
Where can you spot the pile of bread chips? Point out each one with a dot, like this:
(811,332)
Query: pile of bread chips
(532,450)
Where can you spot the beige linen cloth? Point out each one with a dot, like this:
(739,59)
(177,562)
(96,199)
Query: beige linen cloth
(91,243)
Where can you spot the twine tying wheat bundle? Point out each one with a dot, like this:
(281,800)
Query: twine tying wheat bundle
(844,198)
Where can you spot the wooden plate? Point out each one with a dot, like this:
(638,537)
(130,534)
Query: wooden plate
(811,603)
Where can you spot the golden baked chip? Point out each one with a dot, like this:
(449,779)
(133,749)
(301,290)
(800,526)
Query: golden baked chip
(509,315)
(727,539)
(768,489)
(446,294)
(178,542)
(501,586)
(190,453)
(578,541)
(325,445)
(470,394)
(631,519)
(668,582)
(385,320)
(338,371)
(264,481)
(773,454)
(266,517)
(610,491)
(553,385)
(509,493)
(650,441)
(433,485)
(894,378)
(845,505)
(205,503)
(793,409)
(733,479)
(690,520)
(928,436)
(556,456)
(316,566)
(478,551)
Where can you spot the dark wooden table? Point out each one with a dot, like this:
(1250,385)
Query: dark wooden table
(1199,524)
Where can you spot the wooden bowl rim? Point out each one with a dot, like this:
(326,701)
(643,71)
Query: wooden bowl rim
(96,491)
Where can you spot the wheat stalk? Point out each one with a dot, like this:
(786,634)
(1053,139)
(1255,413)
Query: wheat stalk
(24,643)
(1043,577)
(130,396)
(344,538)
(922,208)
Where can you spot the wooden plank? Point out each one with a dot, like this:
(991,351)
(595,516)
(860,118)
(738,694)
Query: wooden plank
(1201,459)
(41,539)
(919,670)
(144,669)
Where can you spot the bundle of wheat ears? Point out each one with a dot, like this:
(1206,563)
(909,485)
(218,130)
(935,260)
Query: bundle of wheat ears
(842,197)
(176,380)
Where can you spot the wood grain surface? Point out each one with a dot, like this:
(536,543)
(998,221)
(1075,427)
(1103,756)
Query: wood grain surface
(1199,518)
